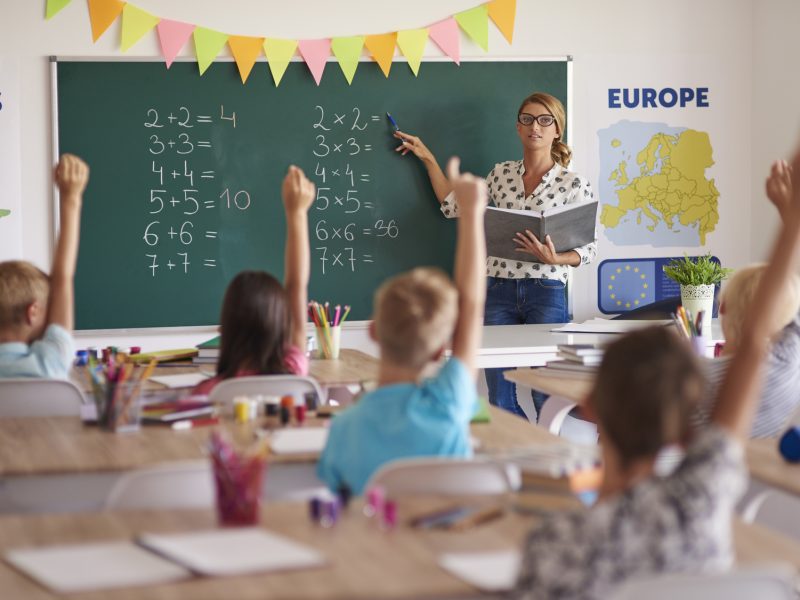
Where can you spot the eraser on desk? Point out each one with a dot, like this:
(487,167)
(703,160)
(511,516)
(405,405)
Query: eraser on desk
(790,444)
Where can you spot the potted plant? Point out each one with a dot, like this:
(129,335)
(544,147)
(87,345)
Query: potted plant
(698,279)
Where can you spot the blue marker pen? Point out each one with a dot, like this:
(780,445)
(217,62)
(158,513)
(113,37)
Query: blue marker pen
(394,123)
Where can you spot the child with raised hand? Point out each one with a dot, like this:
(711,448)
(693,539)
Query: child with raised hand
(416,315)
(37,311)
(263,324)
(647,386)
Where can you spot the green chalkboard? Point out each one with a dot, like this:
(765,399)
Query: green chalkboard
(186,173)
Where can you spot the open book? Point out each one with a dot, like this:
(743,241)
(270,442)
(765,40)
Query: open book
(569,226)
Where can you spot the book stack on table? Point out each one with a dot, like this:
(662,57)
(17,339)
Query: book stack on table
(207,352)
(577,359)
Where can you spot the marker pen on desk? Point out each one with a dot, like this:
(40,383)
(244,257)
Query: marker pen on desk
(394,123)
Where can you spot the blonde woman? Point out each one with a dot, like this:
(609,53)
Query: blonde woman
(531,289)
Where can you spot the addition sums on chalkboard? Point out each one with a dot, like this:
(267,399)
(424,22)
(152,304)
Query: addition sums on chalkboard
(186,176)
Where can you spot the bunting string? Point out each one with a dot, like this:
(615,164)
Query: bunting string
(246,50)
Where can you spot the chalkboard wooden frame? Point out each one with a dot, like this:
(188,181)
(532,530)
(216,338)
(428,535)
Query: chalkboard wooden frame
(568,97)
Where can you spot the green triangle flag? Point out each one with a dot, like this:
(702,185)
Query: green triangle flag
(475,23)
(207,44)
(348,50)
(412,44)
(135,23)
(279,53)
(54,7)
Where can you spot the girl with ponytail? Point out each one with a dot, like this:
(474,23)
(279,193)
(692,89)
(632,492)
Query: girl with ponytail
(533,288)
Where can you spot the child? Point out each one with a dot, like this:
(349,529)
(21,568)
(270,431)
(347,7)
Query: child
(36,311)
(642,525)
(416,314)
(263,324)
(780,395)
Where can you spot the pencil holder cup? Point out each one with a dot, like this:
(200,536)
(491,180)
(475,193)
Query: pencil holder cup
(118,407)
(328,341)
(238,478)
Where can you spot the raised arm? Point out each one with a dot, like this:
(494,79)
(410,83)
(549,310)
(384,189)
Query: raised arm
(72,175)
(739,392)
(410,143)
(779,186)
(470,267)
(298,194)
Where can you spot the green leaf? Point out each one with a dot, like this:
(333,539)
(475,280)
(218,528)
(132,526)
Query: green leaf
(700,271)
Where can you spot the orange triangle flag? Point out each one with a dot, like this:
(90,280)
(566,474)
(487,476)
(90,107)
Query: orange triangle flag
(382,49)
(245,51)
(503,13)
(102,13)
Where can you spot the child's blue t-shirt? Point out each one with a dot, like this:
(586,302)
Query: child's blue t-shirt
(48,357)
(400,421)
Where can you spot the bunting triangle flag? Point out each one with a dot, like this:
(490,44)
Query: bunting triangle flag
(207,44)
(102,13)
(347,51)
(315,53)
(54,7)
(475,23)
(382,49)
(135,23)
(245,51)
(279,53)
(445,34)
(503,13)
(173,36)
(412,44)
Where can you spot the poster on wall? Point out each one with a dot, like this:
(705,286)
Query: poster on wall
(10,200)
(670,163)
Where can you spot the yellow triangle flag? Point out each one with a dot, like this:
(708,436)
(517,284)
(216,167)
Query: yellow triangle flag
(347,50)
(102,13)
(135,23)
(382,49)
(53,7)
(412,44)
(279,53)
(207,44)
(503,13)
(475,23)
(245,51)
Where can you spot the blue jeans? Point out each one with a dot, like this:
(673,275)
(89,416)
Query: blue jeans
(517,302)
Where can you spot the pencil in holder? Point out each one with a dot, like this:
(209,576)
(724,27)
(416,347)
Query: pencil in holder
(238,478)
(328,342)
(116,388)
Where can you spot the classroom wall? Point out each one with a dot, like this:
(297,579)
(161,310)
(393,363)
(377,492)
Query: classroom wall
(757,41)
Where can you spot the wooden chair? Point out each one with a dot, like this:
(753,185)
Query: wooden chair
(30,397)
(187,484)
(265,385)
(764,583)
(446,476)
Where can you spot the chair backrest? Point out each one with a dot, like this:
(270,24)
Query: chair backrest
(30,397)
(446,476)
(178,485)
(774,509)
(764,583)
(267,385)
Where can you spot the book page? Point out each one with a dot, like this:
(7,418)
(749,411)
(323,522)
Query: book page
(488,571)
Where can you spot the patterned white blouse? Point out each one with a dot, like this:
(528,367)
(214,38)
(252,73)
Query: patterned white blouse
(559,186)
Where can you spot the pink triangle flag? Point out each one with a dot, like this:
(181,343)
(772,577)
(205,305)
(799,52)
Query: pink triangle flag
(173,36)
(315,53)
(445,34)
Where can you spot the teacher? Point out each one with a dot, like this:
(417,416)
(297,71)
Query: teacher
(534,288)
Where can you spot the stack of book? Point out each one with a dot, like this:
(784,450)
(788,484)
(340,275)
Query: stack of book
(207,352)
(578,358)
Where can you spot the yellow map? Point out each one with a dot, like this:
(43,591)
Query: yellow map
(671,187)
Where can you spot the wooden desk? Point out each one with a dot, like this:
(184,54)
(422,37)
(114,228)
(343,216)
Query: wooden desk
(365,562)
(763,459)
(46,454)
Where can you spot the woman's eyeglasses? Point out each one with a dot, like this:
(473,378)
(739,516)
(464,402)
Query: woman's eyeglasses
(528,119)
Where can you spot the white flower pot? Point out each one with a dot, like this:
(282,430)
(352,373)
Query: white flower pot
(695,298)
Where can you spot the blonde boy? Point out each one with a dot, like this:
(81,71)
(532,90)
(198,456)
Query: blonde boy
(416,315)
(36,311)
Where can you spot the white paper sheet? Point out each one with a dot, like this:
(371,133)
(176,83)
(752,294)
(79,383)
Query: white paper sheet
(299,441)
(488,571)
(607,326)
(182,380)
(85,567)
(223,552)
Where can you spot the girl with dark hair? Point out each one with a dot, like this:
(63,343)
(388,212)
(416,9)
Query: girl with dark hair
(263,324)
